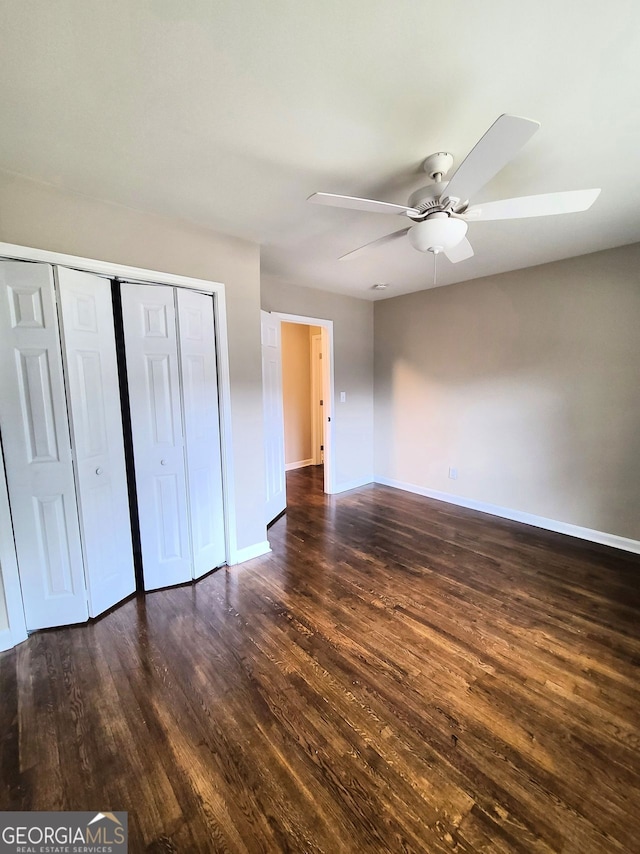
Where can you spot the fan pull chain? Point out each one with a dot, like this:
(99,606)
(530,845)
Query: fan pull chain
(435,262)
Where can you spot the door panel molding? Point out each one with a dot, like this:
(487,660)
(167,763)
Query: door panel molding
(151,350)
(199,388)
(93,396)
(38,456)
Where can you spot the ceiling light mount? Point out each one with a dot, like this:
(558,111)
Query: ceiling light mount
(379,286)
(437,165)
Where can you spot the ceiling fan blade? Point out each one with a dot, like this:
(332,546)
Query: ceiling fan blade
(495,149)
(359,204)
(546,204)
(388,238)
(461,252)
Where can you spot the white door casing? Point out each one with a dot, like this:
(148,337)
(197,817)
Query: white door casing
(317,399)
(197,351)
(156,421)
(328,390)
(96,424)
(37,448)
(273,416)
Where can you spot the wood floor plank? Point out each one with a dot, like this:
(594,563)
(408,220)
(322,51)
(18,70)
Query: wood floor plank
(398,675)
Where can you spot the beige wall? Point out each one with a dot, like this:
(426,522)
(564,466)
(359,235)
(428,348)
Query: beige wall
(353,370)
(527,382)
(33,214)
(296,391)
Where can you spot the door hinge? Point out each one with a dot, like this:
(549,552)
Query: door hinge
(322,403)
(322,447)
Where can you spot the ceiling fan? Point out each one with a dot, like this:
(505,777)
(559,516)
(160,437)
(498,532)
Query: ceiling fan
(440,212)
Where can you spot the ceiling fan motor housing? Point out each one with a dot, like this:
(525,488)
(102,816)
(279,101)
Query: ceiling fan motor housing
(437,233)
(427,197)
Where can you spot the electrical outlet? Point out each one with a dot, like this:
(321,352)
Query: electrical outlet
(453,473)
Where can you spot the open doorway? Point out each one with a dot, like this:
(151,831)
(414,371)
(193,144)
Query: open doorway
(308,375)
(303,394)
(320,378)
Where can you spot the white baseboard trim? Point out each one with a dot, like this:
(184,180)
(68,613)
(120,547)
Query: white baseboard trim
(601,537)
(352,484)
(249,552)
(299,465)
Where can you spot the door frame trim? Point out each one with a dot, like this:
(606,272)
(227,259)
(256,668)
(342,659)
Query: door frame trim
(330,451)
(317,413)
(155,277)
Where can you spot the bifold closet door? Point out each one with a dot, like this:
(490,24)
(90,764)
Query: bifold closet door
(151,346)
(197,353)
(96,422)
(37,448)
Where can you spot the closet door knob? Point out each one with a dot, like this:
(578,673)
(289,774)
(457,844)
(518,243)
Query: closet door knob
(163,462)
(98,470)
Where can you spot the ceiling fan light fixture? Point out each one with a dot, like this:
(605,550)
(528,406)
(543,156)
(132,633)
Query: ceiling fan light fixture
(440,210)
(437,233)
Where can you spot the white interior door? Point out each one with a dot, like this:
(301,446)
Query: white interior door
(37,448)
(156,421)
(276,497)
(197,348)
(96,423)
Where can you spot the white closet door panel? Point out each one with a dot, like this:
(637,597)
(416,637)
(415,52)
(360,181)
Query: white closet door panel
(276,487)
(196,341)
(37,449)
(156,421)
(92,371)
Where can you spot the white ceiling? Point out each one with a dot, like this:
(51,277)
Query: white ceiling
(230,113)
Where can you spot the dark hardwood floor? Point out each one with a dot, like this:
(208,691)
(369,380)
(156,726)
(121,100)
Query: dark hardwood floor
(398,675)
